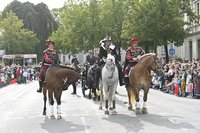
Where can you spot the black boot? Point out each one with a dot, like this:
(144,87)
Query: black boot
(121,76)
(121,81)
(40,86)
(74,89)
(126,81)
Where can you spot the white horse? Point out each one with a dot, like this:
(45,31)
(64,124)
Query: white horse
(109,84)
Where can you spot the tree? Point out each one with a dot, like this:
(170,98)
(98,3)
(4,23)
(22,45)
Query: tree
(158,22)
(83,25)
(15,39)
(76,30)
(37,18)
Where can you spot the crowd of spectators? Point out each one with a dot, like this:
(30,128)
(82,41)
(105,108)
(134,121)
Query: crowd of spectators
(10,74)
(181,78)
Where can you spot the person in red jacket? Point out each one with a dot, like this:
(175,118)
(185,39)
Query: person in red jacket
(49,57)
(131,58)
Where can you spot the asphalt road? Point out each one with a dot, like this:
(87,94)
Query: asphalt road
(21,112)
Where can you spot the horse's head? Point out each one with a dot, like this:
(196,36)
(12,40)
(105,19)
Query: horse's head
(156,64)
(95,67)
(152,61)
(110,60)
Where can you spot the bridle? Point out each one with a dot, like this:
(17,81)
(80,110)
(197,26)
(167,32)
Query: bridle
(155,61)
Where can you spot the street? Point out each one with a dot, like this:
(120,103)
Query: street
(21,112)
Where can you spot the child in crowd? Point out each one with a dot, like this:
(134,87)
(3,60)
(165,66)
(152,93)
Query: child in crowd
(189,88)
(183,87)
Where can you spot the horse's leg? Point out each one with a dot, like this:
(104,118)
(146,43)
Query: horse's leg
(113,98)
(105,87)
(93,93)
(129,99)
(137,105)
(83,86)
(58,94)
(45,100)
(101,94)
(51,102)
(90,93)
(110,105)
(144,108)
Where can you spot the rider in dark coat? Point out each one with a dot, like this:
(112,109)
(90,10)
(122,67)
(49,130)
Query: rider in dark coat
(74,65)
(105,48)
(90,58)
(49,57)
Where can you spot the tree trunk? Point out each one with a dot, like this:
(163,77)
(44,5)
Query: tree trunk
(166,53)
(155,47)
(119,56)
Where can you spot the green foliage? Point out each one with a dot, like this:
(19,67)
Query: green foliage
(36,18)
(84,25)
(156,21)
(14,38)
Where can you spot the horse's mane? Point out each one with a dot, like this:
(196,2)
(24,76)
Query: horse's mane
(63,66)
(146,55)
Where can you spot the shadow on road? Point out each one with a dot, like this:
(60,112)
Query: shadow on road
(138,121)
(60,126)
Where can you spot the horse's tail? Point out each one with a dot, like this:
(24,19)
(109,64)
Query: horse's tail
(132,96)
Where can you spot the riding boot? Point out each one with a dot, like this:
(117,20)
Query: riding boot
(74,89)
(126,80)
(121,76)
(40,86)
(121,79)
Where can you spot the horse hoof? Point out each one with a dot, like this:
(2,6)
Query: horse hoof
(100,108)
(144,111)
(52,117)
(129,108)
(94,99)
(107,112)
(44,113)
(114,112)
(138,111)
(111,108)
(59,117)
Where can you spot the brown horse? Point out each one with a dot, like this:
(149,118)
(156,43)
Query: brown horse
(140,78)
(56,77)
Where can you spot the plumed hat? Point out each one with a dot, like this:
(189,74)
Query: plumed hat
(49,42)
(134,40)
(107,38)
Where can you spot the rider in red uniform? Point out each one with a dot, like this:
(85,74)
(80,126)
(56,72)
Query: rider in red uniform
(131,57)
(49,57)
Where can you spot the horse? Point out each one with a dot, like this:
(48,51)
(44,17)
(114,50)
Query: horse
(140,78)
(91,81)
(109,82)
(56,77)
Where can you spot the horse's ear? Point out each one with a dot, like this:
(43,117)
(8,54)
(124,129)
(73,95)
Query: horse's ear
(156,54)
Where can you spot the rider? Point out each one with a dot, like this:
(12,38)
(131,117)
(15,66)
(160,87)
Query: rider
(131,58)
(105,48)
(49,57)
(74,65)
(90,58)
